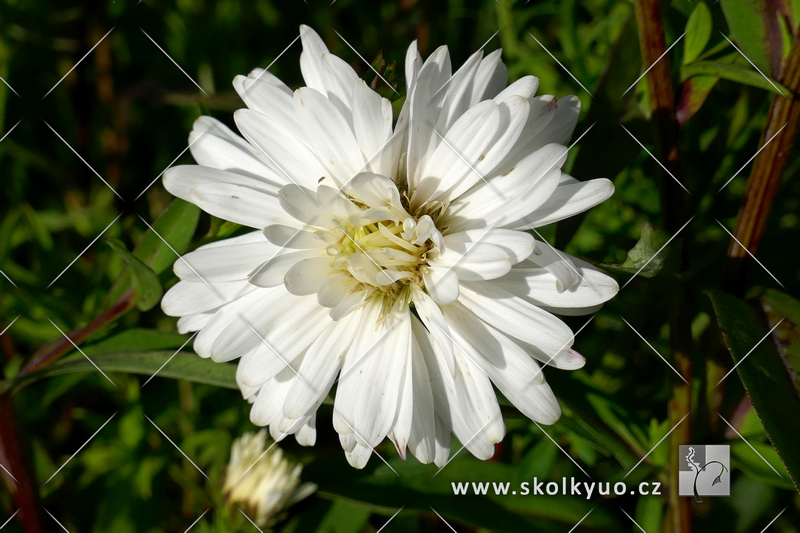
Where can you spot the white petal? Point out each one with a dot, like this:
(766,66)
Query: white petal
(290,237)
(517,376)
(307,435)
(239,204)
(214,145)
(569,198)
(454,96)
(558,264)
(278,141)
(307,276)
(422,438)
(188,298)
(412,65)
(441,283)
(320,365)
(223,263)
(286,322)
(329,133)
(311,59)
(464,145)
(431,315)
(490,79)
(515,317)
(525,87)
(372,118)
(272,272)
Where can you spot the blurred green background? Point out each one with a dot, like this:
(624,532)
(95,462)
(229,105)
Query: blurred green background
(127,110)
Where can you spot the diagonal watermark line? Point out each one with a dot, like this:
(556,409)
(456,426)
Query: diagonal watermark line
(75,66)
(581,520)
(81,351)
(9,325)
(754,156)
(57,522)
(285,362)
(753,64)
(750,445)
(274,60)
(249,519)
(443,520)
(344,371)
(748,253)
(84,161)
(671,175)
(174,62)
(170,165)
(84,250)
(654,350)
(368,446)
(632,520)
(198,519)
(773,520)
(463,446)
(571,339)
(658,252)
(18,96)
(9,519)
(392,518)
(176,447)
(489,40)
(9,474)
(3,138)
(9,279)
(561,65)
(654,64)
(562,450)
(170,359)
(276,441)
(748,353)
(656,446)
(481,176)
(79,449)
(367,62)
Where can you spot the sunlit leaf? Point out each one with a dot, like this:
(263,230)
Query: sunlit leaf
(698,32)
(645,259)
(755,28)
(148,287)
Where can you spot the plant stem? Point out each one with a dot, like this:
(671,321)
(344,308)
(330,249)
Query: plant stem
(55,349)
(22,490)
(652,40)
(765,176)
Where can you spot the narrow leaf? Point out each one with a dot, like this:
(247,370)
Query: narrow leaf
(694,92)
(756,30)
(764,376)
(698,32)
(733,73)
(148,287)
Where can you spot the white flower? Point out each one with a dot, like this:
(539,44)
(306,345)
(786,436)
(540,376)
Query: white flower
(261,478)
(393,257)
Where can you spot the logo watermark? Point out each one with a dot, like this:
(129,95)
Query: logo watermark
(704,470)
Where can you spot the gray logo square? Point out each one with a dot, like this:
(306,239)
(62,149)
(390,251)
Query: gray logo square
(704,470)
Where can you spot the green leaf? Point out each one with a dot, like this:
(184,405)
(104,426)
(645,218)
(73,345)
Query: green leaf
(734,73)
(694,92)
(755,27)
(765,377)
(754,466)
(148,287)
(645,258)
(698,32)
(783,312)
(176,226)
(183,366)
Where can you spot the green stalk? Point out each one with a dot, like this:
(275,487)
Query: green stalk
(765,176)
(666,136)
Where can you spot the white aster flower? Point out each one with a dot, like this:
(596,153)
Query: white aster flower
(393,256)
(261,479)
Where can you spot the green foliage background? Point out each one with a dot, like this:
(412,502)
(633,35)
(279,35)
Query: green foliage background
(127,110)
